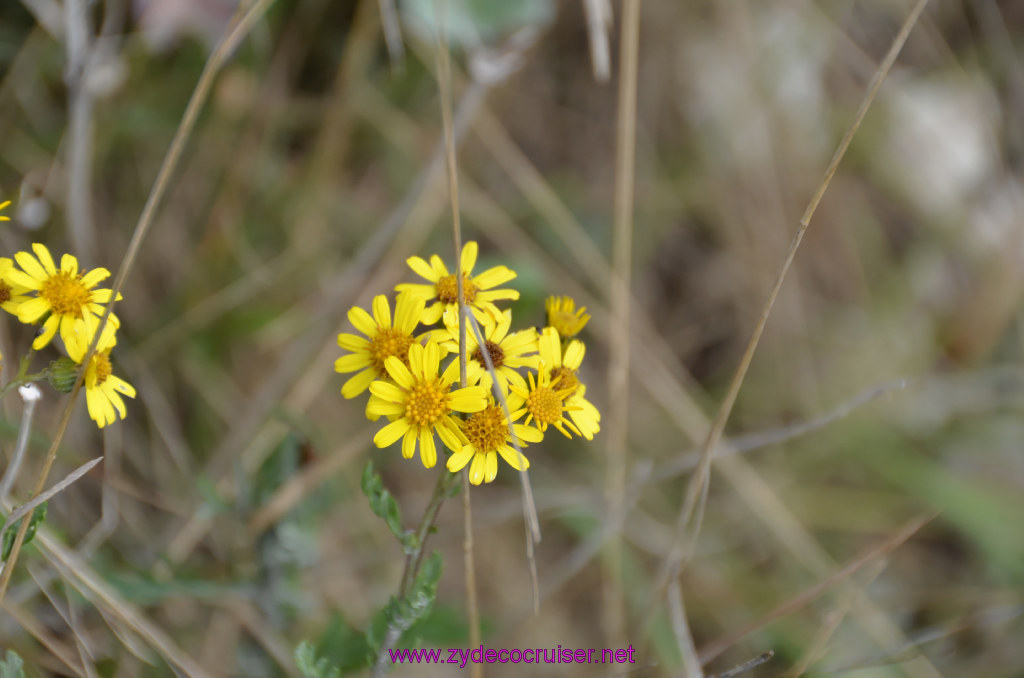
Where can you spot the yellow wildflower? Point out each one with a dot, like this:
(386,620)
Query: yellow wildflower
(564,317)
(103,390)
(488,436)
(422,403)
(564,366)
(507,351)
(442,293)
(383,340)
(66,294)
(11,293)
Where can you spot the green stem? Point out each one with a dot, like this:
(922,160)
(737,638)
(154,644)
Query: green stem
(23,377)
(415,557)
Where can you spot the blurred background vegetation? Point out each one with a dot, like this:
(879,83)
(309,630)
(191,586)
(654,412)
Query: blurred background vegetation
(226,524)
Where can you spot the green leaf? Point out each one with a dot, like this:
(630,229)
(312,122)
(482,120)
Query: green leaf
(401,615)
(12,666)
(343,646)
(383,504)
(38,515)
(310,666)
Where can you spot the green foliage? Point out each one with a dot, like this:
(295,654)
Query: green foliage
(38,516)
(398,616)
(12,666)
(384,505)
(342,646)
(310,666)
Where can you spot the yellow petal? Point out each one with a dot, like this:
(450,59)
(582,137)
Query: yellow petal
(432,313)
(388,392)
(416,361)
(428,451)
(362,321)
(92,278)
(32,267)
(422,269)
(408,310)
(49,329)
(358,383)
(351,363)
(409,443)
(450,434)
(69,265)
(391,433)
(431,359)
(550,348)
(440,270)
(32,309)
(44,257)
(513,458)
(399,372)
(493,277)
(574,354)
(469,399)
(476,470)
(492,467)
(352,342)
(382,311)
(459,459)
(468,259)
(527,433)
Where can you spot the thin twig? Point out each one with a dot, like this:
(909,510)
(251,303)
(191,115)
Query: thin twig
(689,521)
(599,20)
(533,534)
(30,395)
(867,556)
(681,629)
(814,648)
(444,76)
(392,35)
(746,666)
(754,441)
(45,496)
(614,605)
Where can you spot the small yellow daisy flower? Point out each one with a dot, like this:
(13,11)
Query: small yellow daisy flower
(443,292)
(488,436)
(11,293)
(103,390)
(66,294)
(383,340)
(564,367)
(3,206)
(564,317)
(507,351)
(423,403)
(544,405)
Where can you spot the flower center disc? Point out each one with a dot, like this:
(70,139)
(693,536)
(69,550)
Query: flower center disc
(494,351)
(101,367)
(427,403)
(567,323)
(5,292)
(564,379)
(66,294)
(448,289)
(389,342)
(545,405)
(486,430)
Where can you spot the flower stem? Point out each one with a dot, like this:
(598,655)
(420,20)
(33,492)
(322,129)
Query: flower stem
(413,561)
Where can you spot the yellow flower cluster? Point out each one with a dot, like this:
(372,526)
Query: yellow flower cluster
(67,300)
(403,370)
